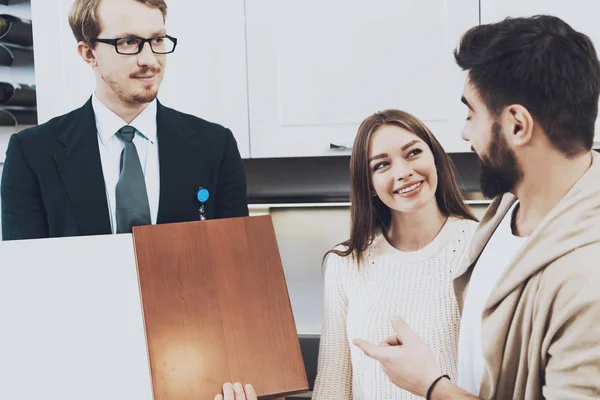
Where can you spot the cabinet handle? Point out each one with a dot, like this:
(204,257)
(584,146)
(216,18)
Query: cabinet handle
(339,146)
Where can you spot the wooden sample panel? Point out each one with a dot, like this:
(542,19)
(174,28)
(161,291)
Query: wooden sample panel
(216,309)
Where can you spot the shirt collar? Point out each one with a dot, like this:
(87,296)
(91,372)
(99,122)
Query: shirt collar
(108,123)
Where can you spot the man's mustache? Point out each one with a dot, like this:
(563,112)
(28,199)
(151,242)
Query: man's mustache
(145,73)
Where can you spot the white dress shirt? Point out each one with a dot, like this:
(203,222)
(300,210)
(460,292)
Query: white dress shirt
(495,258)
(108,124)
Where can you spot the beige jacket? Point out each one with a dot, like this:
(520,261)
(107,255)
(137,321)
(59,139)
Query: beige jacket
(541,324)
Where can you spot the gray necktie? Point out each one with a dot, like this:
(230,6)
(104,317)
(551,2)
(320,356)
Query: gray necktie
(132,199)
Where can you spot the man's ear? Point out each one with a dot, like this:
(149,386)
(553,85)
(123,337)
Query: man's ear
(520,123)
(87,54)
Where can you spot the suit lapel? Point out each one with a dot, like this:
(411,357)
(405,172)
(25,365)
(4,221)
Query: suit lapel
(80,169)
(177,159)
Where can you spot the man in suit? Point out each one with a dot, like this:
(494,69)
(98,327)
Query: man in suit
(123,159)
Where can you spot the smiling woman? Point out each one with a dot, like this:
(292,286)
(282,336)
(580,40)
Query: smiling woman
(389,143)
(410,229)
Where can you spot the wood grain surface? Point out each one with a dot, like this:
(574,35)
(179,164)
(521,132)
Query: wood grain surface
(216,309)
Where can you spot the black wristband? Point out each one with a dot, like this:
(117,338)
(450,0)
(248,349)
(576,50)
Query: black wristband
(433,385)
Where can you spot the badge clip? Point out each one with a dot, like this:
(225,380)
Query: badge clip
(202,196)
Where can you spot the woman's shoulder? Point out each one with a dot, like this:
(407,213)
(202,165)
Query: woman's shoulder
(340,258)
(337,266)
(465,224)
(337,256)
(463,228)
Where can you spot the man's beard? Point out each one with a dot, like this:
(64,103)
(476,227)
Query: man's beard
(499,169)
(146,95)
(143,97)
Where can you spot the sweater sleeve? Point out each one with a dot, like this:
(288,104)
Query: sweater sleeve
(334,370)
(573,357)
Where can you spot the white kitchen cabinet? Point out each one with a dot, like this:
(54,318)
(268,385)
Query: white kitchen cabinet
(206,76)
(317,68)
(582,15)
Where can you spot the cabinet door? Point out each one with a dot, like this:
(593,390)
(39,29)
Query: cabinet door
(317,68)
(582,15)
(206,76)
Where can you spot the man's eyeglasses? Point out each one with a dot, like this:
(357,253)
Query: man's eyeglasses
(133,45)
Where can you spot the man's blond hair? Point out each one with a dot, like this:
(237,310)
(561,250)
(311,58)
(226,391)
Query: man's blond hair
(85,23)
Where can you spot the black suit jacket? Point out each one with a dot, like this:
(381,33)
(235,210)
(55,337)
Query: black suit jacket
(53,186)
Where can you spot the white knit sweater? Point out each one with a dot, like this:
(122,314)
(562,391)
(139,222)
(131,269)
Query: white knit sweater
(360,303)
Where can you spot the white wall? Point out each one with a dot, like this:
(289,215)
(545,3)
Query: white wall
(304,235)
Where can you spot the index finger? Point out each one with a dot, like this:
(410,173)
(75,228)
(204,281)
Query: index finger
(369,349)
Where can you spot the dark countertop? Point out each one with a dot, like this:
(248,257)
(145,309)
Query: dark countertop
(324,179)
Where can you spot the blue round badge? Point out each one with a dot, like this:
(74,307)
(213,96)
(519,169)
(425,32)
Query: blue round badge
(202,195)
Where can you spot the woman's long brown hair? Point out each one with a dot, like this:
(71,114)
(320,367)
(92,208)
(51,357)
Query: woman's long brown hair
(368,213)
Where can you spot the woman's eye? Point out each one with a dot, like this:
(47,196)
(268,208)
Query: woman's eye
(414,152)
(379,165)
